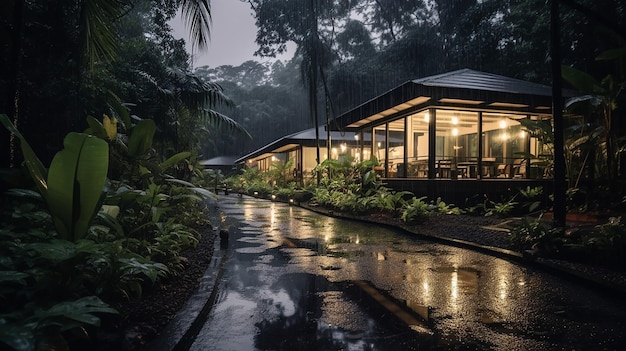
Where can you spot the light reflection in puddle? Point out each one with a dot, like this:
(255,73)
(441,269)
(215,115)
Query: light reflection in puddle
(251,250)
(336,312)
(265,258)
(281,301)
(297,252)
(463,289)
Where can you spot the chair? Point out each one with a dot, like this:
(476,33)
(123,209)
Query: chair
(422,169)
(518,169)
(489,167)
(443,168)
(503,170)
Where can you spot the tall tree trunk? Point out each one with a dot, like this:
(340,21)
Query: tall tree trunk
(312,52)
(13,98)
(557,114)
(608,139)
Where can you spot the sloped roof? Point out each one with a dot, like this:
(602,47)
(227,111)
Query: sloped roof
(471,79)
(463,89)
(220,161)
(305,138)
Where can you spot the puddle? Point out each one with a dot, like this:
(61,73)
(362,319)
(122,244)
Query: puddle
(308,282)
(332,319)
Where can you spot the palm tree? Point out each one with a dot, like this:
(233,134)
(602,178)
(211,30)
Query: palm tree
(93,24)
(98,18)
(188,103)
(197,14)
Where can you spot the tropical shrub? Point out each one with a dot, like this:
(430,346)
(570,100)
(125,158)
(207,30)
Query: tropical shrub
(501,209)
(97,238)
(537,235)
(281,173)
(357,178)
(391,201)
(74,184)
(607,243)
(286,192)
(531,196)
(441,206)
(44,294)
(415,211)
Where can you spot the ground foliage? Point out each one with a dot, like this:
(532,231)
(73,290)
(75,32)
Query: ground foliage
(53,75)
(355,190)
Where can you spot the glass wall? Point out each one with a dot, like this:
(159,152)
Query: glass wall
(379,148)
(417,140)
(309,158)
(504,142)
(366,145)
(264,164)
(402,146)
(456,147)
(396,148)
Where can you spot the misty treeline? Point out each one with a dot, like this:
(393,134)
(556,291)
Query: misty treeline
(366,47)
(51,79)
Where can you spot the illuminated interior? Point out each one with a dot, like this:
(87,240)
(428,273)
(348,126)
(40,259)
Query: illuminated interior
(505,150)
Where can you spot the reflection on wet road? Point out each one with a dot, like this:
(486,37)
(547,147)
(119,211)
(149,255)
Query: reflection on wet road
(296,280)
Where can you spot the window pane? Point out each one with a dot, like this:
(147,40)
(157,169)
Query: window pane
(379,148)
(417,139)
(505,142)
(457,143)
(396,148)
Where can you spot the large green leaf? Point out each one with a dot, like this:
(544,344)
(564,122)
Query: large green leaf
(612,54)
(35,167)
(98,29)
(81,310)
(75,183)
(200,191)
(180,182)
(96,127)
(197,13)
(17,336)
(56,250)
(122,112)
(581,80)
(174,159)
(140,140)
(13,277)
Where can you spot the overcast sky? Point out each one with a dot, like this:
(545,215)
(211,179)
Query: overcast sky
(232,36)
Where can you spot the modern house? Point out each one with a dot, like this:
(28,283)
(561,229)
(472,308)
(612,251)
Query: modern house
(224,164)
(302,149)
(461,135)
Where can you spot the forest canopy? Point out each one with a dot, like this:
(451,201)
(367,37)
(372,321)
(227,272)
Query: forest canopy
(363,48)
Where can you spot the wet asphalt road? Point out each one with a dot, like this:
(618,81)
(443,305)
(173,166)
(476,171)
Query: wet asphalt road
(296,280)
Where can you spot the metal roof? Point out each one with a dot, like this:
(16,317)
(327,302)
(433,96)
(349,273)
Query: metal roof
(220,161)
(471,79)
(462,89)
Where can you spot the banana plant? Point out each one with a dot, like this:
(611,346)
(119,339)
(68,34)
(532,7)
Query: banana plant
(74,184)
(139,143)
(605,95)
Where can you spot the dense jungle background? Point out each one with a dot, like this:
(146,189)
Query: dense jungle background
(52,76)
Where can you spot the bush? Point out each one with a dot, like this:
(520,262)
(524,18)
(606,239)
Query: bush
(536,235)
(415,210)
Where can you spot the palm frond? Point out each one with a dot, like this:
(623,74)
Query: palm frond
(218,120)
(148,78)
(196,93)
(99,38)
(197,15)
